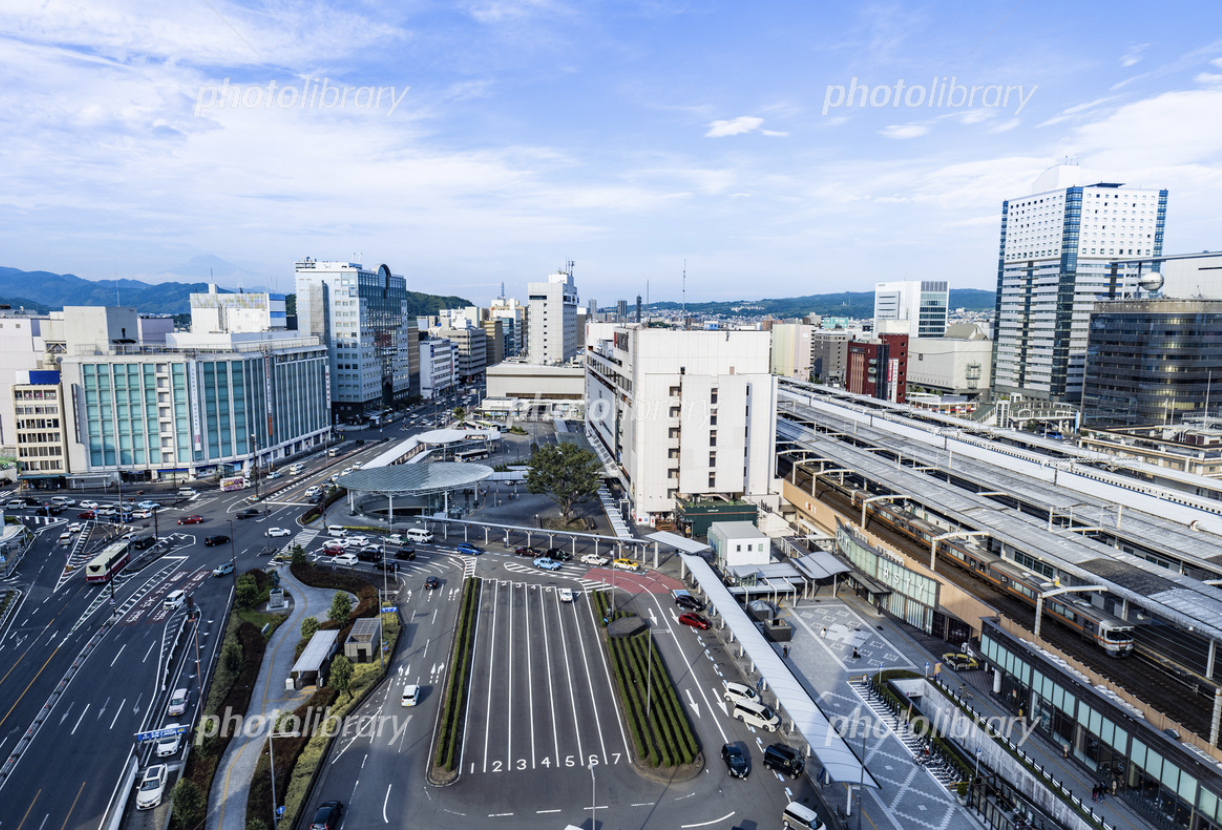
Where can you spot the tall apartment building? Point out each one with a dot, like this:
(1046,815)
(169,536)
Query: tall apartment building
(681,414)
(829,355)
(1054,262)
(361,316)
(494,330)
(225,313)
(1152,362)
(920,307)
(438,367)
(39,429)
(552,335)
(791,350)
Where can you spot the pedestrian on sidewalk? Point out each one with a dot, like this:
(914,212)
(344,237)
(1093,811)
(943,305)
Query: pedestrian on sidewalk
(856,656)
(785,651)
(824,634)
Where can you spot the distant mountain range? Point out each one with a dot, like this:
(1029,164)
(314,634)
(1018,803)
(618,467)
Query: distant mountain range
(42,291)
(858,304)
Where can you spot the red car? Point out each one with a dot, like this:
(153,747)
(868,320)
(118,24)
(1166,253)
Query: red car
(333,550)
(695,621)
(88,514)
(191,520)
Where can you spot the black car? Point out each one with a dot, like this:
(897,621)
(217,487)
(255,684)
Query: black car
(558,555)
(405,552)
(737,763)
(328,816)
(142,542)
(784,759)
(385,565)
(689,602)
(369,553)
(431,583)
(533,553)
(248,513)
(211,541)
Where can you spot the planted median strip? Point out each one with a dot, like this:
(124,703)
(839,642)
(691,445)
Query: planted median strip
(449,733)
(661,731)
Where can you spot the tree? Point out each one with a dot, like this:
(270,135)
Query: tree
(231,658)
(298,555)
(247,591)
(460,414)
(341,608)
(565,473)
(256,824)
(341,674)
(309,627)
(187,802)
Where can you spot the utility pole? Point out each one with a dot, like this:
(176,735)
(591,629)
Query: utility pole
(233,560)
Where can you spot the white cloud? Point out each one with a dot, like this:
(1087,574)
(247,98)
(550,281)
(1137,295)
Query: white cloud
(1134,54)
(774,133)
(904,131)
(1005,126)
(734,126)
(1210,78)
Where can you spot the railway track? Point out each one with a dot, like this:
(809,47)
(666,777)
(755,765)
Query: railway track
(1135,674)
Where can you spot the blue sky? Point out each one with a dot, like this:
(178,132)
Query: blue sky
(627,136)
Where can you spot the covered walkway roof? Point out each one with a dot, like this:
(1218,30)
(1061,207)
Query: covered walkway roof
(415,479)
(833,753)
(674,540)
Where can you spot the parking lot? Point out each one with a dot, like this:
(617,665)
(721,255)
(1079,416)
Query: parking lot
(541,692)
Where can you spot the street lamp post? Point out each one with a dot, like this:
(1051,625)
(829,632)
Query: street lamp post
(254,464)
(233,560)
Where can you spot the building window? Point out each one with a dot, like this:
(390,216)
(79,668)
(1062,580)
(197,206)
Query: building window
(712,438)
(712,459)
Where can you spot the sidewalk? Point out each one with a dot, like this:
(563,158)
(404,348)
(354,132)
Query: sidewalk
(905,644)
(232,782)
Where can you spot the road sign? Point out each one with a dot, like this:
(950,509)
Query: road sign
(158,734)
(388,609)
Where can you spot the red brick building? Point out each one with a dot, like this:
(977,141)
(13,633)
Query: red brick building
(879,367)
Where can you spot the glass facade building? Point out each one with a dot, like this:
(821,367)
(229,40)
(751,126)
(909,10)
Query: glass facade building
(162,412)
(1170,785)
(1152,362)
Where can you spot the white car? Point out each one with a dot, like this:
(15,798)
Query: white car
(411,695)
(168,745)
(89,505)
(345,471)
(143,514)
(274,474)
(355,541)
(152,787)
(178,703)
(277,531)
(75,527)
(348,559)
(394,539)
(148,505)
(566,595)
(594,559)
(356,465)
(313,491)
(65,538)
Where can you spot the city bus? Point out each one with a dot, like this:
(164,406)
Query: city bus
(471,455)
(107,564)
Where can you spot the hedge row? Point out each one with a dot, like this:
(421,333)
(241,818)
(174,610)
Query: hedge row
(288,749)
(452,705)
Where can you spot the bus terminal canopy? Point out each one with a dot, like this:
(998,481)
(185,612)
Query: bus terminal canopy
(678,542)
(415,479)
(838,760)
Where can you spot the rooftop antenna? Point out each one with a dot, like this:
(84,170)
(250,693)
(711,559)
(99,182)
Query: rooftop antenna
(685,287)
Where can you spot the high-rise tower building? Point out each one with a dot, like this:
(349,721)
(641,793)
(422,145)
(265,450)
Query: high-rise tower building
(1053,263)
(361,316)
(552,319)
(921,305)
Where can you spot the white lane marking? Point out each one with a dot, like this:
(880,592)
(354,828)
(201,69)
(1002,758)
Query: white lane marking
(569,673)
(692,701)
(726,817)
(607,669)
(491,661)
(509,691)
(150,651)
(691,672)
(82,717)
(385,820)
(545,812)
(112,662)
(547,661)
(530,677)
(118,712)
(585,659)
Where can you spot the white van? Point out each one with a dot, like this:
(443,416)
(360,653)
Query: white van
(738,691)
(337,530)
(418,534)
(800,817)
(62,501)
(331,453)
(185,493)
(174,599)
(756,714)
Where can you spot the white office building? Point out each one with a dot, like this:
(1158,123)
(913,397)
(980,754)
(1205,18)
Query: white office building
(225,313)
(361,316)
(438,367)
(512,315)
(791,350)
(552,330)
(681,414)
(1057,246)
(913,307)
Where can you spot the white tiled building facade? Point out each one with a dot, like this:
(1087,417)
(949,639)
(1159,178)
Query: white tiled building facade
(922,305)
(681,413)
(438,367)
(1055,256)
(552,320)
